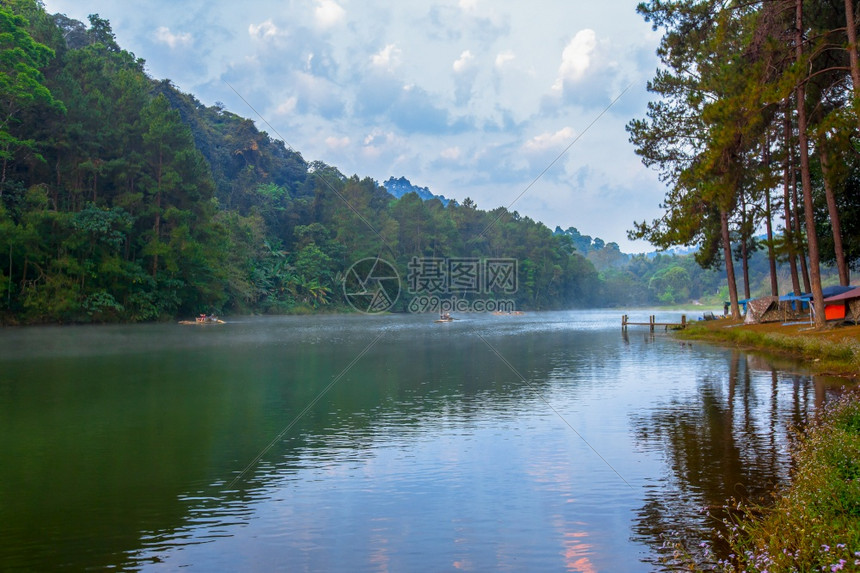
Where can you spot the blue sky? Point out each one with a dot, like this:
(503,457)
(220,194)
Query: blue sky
(471,98)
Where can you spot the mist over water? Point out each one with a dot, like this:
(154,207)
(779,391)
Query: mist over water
(547,441)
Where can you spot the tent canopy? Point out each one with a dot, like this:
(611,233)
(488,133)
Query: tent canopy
(757,309)
(852,292)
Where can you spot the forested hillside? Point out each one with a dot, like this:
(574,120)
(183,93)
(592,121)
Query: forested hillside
(123,199)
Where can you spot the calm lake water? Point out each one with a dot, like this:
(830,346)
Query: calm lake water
(542,442)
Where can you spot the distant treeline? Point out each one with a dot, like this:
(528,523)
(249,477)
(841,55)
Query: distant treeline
(123,199)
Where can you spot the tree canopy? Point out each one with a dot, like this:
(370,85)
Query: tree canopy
(748,90)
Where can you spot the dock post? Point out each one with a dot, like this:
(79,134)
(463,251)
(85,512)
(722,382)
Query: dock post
(624,322)
(651,321)
(683,321)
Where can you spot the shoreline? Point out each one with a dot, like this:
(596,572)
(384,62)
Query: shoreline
(813,523)
(833,351)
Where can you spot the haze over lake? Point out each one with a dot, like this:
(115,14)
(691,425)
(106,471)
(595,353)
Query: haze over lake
(547,441)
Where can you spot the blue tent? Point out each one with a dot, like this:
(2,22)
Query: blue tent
(834,290)
(796,300)
(826,292)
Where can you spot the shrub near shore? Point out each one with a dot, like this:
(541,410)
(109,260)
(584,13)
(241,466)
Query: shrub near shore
(815,524)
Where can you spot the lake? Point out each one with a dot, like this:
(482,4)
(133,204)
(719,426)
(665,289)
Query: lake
(547,441)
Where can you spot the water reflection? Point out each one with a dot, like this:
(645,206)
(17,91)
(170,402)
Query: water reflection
(394,410)
(727,440)
(429,453)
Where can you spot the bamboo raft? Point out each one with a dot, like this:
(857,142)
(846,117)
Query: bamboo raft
(203,320)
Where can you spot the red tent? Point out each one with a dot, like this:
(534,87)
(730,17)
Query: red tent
(843,305)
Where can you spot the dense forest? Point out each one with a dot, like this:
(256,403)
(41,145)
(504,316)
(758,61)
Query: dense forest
(756,123)
(124,199)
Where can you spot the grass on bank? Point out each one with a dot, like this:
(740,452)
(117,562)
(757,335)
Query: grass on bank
(834,350)
(815,524)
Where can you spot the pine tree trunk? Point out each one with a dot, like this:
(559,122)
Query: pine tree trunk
(797,227)
(806,179)
(835,225)
(730,267)
(787,177)
(771,255)
(745,260)
(804,272)
(768,221)
(852,46)
(3,178)
(9,290)
(157,226)
(157,234)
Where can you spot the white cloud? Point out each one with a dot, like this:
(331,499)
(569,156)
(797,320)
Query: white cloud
(469,73)
(464,62)
(503,58)
(468,5)
(547,141)
(576,58)
(378,137)
(378,143)
(288,106)
(163,35)
(451,153)
(263,30)
(328,13)
(337,142)
(387,58)
(317,95)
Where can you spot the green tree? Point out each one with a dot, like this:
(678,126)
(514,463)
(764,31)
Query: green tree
(22,88)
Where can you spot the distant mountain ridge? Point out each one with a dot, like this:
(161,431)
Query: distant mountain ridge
(402,186)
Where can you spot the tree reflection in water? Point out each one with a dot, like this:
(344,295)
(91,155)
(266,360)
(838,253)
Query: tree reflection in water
(727,440)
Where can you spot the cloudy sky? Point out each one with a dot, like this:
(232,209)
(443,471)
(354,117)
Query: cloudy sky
(471,98)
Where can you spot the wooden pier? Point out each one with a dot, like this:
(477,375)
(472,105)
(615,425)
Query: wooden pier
(652,323)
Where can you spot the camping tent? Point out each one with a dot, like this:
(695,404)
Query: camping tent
(764,309)
(845,305)
(795,302)
(835,290)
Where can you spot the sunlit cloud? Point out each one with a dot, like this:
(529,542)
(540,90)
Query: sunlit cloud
(451,153)
(380,143)
(504,58)
(337,142)
(468,5)
(288,106)
(464,62)
(576,58)
(264,30)
(547,141)
(379,137)
(328,13)
(163,35)
(387,58)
